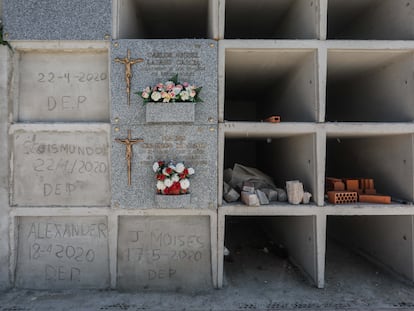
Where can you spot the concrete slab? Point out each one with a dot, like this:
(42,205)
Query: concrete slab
(352,285)
(62,20)
(60,85)
(60,166)
(62,253)
(4,169)
(196,146)
(164,253)
(195,62)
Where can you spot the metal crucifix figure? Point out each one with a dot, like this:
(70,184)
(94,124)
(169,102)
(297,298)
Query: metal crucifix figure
(128,71)
(128,142)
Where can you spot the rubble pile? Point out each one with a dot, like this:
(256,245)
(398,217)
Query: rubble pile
(254,188)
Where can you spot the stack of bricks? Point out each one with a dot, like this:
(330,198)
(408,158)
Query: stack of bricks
(349,190)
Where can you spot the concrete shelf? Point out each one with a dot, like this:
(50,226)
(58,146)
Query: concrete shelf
(292,238)
(178,19)
(370,86)
(370,20)
(283,157)
(273,209)
(388,159)
(385,240)
(269,19)
(261,82)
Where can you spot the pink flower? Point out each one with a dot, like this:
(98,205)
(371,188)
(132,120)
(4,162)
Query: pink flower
(186,84)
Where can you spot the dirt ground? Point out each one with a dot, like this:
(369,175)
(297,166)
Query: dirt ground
(255,279)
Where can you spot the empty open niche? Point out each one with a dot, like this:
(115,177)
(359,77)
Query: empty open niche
(260,249)
(359,245)
(165,19)
(387,160)
(370,86)
(371,19)
(282,158)
(263,82)
(268,19)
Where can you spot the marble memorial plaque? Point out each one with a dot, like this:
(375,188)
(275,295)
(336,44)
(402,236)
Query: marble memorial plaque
(195,61)
(196,146)
(62,253)
(164,253)
(57,20)
(63,86)
(61,168)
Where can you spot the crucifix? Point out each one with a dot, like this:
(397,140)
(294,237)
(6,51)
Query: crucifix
(128,142)
(128,71)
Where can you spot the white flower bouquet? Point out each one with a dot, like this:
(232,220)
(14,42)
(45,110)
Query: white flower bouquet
(171,91)
(172,179)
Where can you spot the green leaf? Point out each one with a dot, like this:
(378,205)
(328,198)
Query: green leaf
(175,78)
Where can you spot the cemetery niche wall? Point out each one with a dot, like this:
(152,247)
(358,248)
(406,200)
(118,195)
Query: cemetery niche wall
(107,186)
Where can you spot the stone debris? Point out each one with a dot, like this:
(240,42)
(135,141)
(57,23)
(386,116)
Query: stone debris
(248,186)
(250,199)
(306,197)
(294,189)
(262,197)
(281,195)
(229,194)
(255,188)
(271,194)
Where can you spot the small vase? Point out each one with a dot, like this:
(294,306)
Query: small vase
(169,112)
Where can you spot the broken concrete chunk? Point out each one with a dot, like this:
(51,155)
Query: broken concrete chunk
(227,175)
(271,194)
(248,187)
(229,194)
(281,195)
(306,198)
(250,199)
(294,189)
(262,197)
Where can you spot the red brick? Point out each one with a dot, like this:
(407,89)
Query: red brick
(352,184)
(370,191)
(342,197)
(380,199)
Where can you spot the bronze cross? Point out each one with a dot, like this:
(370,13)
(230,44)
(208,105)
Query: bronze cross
(128,71)
(128,142)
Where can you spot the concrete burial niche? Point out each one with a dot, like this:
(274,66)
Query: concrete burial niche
(371,19)
(282,157)
(61,85)
(195,146)
(62,20)
(370,86)
(264,247)
(387,159)
(62,253)
(195,62)
(166,19)
(384,240)
(267,19)
(263,82)
(60,166)
(164,253)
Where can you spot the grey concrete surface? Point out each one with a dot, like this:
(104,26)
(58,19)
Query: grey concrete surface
(62,253)
(62,86)
(65,20)
(4,169)
(164,253)
(60,167)
(195,62)
(169,113)
(196,146)
(264,282)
